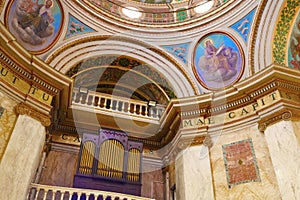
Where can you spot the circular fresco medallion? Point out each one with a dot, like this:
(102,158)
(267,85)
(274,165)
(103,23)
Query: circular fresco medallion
(35,24)
(218,61)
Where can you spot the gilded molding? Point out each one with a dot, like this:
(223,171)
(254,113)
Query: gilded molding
(1,6)
(161,52)
(24,109)
(25,75)
(89,7)
(207,141)
(282,30)
(255,28)
(273,119)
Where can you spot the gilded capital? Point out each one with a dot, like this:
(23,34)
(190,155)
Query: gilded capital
(24,109)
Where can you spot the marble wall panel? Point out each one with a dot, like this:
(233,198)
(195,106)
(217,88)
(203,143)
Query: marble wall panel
(59,169)
(296,127)
(267,188)
(7,121)
(21,158)
(195,180)
(285,150)
(152,183)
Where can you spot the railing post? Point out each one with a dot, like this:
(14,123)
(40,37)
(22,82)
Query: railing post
(45,194)
(62,193)
(53,194)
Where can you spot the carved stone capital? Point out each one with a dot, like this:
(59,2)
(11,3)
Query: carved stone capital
(24,109)
(283,115)
(207,141)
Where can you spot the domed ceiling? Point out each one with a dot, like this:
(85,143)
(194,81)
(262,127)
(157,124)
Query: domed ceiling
(156,12)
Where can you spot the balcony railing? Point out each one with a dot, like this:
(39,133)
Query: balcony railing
(46,192)
(116,104)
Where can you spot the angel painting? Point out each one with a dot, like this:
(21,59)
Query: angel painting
(218,61)
(33,22)
(294,46)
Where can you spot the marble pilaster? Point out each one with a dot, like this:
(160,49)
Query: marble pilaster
(285,150)
(193,173)
(21,158)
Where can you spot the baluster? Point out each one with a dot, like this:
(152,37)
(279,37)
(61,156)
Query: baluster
(147,111)
(105,102)
(120,106)
(96,100)
(53,194)
(79,195)
(77,98)
(134,109)
(87,196)
(99,196)
(83,98)
(45,194)
(139,109)
(90,99)
(34,194)
(150,112)
(113,105)
(129,107)
(62,193)
(70,195)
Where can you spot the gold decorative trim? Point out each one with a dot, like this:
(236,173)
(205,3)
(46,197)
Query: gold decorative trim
(129,40)
(90,8)
(24,109)
(25,75)
(1,6)
(207,141)
(56,38)
(273,119)
(255,28)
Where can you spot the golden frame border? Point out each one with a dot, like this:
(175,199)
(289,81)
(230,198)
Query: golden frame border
(242,59)
(59,32)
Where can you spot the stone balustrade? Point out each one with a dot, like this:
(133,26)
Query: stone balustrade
(118,104)
(46,192)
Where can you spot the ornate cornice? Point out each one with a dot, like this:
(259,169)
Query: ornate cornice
(25,75)
(255,28)
(274,118)
(24,109)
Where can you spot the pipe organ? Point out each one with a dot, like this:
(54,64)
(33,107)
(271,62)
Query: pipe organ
(109,161)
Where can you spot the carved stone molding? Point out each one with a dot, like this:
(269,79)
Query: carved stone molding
(207,141)
(284,115)
(24,109)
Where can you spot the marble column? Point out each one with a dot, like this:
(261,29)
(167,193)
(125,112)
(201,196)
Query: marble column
(193,174)
(21,158)
(284,151)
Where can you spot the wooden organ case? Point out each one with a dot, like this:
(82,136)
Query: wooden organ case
(109,161)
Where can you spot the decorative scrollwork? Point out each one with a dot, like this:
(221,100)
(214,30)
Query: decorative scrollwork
(23,109)
(286,115)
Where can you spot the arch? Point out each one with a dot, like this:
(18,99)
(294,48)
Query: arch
(82,49)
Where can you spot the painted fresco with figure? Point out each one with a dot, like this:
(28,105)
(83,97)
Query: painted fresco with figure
(36,24)
(294,45)
(218,61)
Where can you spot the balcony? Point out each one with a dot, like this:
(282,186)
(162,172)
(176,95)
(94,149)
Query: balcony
(46,192)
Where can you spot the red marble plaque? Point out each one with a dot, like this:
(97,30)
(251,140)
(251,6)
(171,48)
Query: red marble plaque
(240,163)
